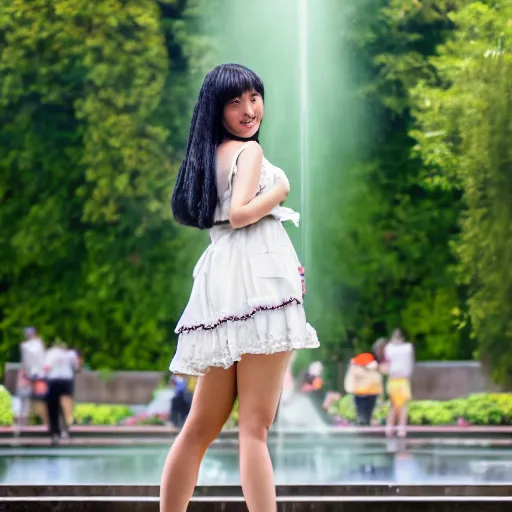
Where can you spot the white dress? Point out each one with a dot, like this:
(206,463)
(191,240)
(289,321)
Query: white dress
(247,292)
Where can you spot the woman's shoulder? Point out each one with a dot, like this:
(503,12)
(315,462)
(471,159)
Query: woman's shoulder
(228,151)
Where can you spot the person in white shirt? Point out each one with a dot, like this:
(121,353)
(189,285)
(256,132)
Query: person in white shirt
(33,352)
(67,399)
(399,363)
(60,366)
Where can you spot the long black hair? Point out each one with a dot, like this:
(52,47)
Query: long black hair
(195,194)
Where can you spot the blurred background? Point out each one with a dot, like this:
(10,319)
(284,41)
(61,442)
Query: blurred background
(392,119)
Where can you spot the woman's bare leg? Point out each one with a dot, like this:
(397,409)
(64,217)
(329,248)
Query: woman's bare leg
(403,415)
(259,382)
(390,422)
(23,415)
(212,404)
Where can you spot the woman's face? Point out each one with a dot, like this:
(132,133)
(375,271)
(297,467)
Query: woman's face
(242,116)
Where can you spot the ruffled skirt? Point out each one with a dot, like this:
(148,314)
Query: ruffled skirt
(246,299)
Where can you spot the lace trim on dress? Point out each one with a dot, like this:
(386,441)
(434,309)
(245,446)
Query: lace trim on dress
(198,364)
(237,318)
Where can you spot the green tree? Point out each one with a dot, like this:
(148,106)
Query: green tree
(388,262)
(463,137)
(94,104)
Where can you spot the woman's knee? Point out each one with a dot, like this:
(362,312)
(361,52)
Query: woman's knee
(255,426)
(199,432)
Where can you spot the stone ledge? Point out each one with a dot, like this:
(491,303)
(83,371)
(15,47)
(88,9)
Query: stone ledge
(348,491)
(291,504)
(167,431)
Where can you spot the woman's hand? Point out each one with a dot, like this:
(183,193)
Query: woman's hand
(302,273)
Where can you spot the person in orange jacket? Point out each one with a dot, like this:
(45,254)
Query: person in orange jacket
(364,381)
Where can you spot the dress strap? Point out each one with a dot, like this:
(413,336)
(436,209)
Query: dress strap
(232,170)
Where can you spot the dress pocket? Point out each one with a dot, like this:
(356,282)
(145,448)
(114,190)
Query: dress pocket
(268,265)
(275,278)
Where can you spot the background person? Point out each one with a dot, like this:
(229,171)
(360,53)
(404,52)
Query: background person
(181,401)
(21,401)
(33,352)
(67,399)
(364,381)
(399,359)
(60,370)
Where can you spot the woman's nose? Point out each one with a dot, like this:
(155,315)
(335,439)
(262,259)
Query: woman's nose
(249,111)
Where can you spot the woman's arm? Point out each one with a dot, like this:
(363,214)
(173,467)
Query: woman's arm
(245,208)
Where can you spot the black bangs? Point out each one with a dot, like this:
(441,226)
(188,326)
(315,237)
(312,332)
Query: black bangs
(233,80)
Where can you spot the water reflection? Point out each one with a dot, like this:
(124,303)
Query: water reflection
(297,460)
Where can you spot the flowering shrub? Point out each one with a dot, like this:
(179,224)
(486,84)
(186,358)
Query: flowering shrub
(479,409)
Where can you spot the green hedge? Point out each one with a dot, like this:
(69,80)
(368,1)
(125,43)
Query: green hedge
(481,409)
(6,415)
(92,414)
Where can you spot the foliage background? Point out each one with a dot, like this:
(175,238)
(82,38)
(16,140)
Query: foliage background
(95,100)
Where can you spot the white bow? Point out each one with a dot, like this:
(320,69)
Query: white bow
(282,213)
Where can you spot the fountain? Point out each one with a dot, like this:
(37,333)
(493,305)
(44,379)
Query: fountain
(295,46)
(313,126)
(271,38)
(297,409)
(304,110)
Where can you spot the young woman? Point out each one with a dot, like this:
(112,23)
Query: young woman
(245,314)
